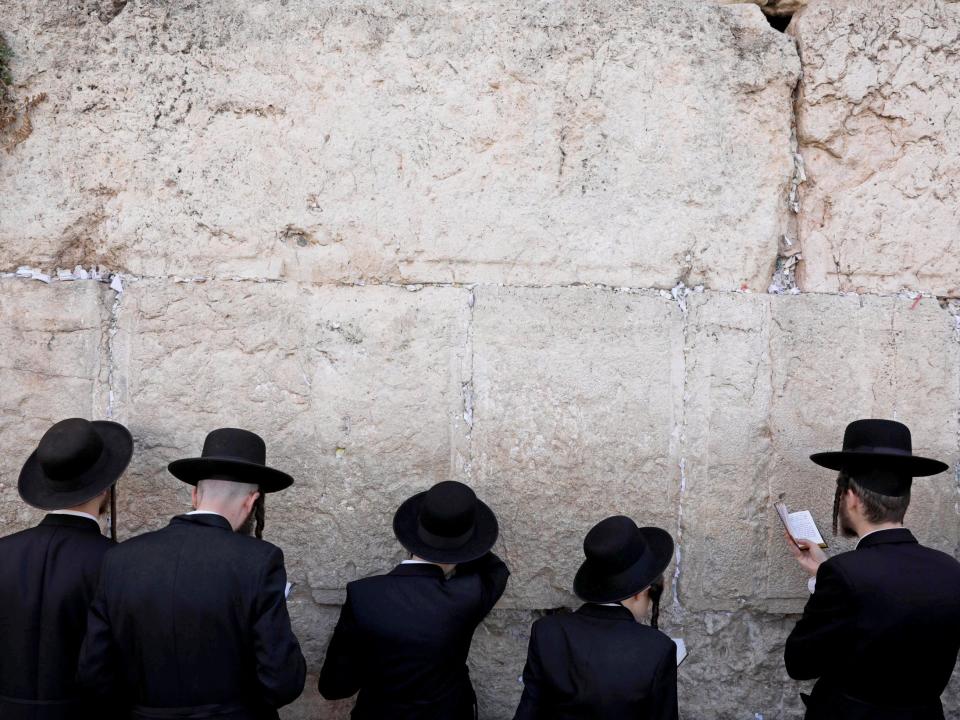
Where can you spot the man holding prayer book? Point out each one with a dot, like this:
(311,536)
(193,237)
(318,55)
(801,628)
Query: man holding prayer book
(881,630)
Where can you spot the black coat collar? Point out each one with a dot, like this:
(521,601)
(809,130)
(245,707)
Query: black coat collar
(606,612)
(887,537)
(418,570)
(73,521)
(205,519)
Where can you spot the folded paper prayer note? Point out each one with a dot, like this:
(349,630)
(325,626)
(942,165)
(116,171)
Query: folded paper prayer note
(681,650)
(800,524)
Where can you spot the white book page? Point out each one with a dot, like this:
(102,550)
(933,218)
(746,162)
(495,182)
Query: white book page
(802,527)
(681,650)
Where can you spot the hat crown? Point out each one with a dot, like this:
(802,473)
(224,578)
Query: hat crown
(614,544)
(69,448)
(449,510)
(235,444)
(868,435)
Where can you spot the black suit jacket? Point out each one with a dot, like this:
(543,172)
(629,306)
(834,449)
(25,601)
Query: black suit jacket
(598,663)
(402,641)
(881,631)
(48,575)
(194,617)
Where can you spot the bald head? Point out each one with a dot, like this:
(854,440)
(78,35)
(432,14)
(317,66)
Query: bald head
(232,500)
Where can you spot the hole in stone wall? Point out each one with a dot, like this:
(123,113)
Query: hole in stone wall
(779,22)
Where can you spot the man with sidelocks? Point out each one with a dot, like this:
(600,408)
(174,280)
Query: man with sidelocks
(191,620)
(881,630)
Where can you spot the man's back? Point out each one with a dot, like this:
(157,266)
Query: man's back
(403,639)
(48,575)
(598,662)
(194,615)
(883,626)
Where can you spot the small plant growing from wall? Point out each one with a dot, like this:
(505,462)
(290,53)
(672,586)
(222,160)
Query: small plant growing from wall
(7,113)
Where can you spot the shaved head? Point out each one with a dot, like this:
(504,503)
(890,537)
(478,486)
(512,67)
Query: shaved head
(223,490)
(235,501)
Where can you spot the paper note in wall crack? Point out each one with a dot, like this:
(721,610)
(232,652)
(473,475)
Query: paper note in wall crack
(681,650)
(800,524)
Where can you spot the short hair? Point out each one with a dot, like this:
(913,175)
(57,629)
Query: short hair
(878,508)
(224,489)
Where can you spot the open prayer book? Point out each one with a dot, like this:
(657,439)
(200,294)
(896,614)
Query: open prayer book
(681,650)
(799,524)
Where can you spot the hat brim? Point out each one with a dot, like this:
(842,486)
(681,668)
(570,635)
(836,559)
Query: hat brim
(912,465)
(40,491)
(193,470)
(485,532)
(595,585)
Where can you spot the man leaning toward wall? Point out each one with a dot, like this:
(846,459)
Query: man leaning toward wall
(191,620)
(881,630)
(48,574)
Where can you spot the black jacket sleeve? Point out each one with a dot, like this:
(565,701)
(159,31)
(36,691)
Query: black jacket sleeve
(492,573)
(98,669)
(281,668)
(340,675)
(817,642)
(532,702)
(663,704)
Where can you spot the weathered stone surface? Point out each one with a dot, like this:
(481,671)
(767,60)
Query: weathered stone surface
(880,138)
(357,392)
(571,142)
(576,402)
(51,367)
(772,7)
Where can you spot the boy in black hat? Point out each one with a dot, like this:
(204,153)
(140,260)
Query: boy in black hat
(48,573)
(191,620)
(602,661)
(402,638)
(882,628)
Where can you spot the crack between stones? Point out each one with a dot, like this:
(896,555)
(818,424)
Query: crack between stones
(466,386)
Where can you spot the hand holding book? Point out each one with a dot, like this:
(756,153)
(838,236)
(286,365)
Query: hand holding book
(804,537)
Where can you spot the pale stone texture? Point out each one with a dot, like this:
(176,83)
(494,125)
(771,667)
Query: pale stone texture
(52,367)
(879,133)
(576,402)
(357,392)
(614,142)
(771,7)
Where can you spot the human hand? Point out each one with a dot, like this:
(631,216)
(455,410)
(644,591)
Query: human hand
(808,554)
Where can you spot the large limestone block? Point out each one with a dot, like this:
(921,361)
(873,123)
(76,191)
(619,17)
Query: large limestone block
(357,392)
(617,142)
(52,366)
(880,138)
(577,396)
(836,359)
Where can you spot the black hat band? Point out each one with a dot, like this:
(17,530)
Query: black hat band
(443,542)
(879,449)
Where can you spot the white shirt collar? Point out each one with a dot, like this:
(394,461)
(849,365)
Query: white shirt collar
(901,527)
(205,512)
(416,562)
(75,513)
(611,604)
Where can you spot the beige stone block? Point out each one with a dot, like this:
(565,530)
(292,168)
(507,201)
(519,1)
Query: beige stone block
(478,142)
(357,392)
(52,367)
(880,139)
(576,404)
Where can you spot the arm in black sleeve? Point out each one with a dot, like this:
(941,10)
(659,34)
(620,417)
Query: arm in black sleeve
(817,642)
(340,675)
(532,705)
(664,696)
(281,668)
(493,574)
(98,669)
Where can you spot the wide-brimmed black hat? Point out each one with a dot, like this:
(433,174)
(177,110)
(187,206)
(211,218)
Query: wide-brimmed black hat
(235,455)
(75,461)
(622,560)
(446,524)
(882,444)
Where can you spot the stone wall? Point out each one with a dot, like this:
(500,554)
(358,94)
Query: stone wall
(589,257)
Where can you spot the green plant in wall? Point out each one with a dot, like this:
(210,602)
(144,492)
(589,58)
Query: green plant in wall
(7,112)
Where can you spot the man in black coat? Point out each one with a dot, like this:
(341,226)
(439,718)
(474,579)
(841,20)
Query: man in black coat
(403,638)
(48,574)
(603,661)
(882,628)
(191,620)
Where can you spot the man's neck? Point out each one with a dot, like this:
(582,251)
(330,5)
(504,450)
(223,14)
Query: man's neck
(446,567)
(867,528)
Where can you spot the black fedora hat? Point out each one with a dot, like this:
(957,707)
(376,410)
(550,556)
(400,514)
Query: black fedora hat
(879,443)
(235,455)
(446,524)
(622,560)
(75,461)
